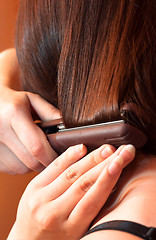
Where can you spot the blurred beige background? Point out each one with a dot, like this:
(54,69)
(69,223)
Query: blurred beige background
(11,187)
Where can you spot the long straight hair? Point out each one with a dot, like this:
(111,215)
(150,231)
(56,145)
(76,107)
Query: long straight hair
(88,57)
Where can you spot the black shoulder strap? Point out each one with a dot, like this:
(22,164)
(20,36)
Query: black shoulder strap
(148,233)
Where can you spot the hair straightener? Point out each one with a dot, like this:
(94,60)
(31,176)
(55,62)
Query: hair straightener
(115,133)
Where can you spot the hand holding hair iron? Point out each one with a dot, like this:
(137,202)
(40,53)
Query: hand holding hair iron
(115,133)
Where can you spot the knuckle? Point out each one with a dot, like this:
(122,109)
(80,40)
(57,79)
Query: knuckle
(93,158)
(22,170)
(30,162)
(91,210)
(3,133)
(38,208)
(51,111)
(43,221)
(17,104)
(85,184)
(36,149)
(34,165)
(46,220)
(110,148)
(33,206)
(13,107)
(57,163)
(72,174)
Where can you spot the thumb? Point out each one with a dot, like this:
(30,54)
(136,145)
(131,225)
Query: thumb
(44,110)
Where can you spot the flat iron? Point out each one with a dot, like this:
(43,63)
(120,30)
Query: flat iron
(115,133)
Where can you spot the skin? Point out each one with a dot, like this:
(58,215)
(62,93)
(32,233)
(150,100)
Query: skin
(67,191)
(137,191)
(21,151)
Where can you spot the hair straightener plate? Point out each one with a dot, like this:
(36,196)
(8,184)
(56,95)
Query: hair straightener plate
(93,136)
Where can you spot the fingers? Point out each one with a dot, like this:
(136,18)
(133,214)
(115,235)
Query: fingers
(44,110)
(85,197)
(4,169)
(33,138)
(19,132)
(93,200)
(59,176)
(60,164)
(59,212)
(9,163)
(70,175)
(92,189)
(16,154)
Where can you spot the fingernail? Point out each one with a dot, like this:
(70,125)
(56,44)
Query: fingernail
(78,148)
(116,165)
(128,152)
(106,152)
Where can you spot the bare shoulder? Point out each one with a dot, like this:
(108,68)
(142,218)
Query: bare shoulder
(111,235)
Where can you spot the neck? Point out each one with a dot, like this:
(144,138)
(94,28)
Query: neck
(135,190)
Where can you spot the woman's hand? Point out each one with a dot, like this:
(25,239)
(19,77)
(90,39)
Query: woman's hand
(61,202)
(23,146)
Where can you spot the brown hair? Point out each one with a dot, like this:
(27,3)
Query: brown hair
(89,57)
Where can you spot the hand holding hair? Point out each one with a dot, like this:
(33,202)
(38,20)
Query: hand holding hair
(61,202)
(23,146)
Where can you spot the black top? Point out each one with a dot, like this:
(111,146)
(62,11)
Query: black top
(148,233)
